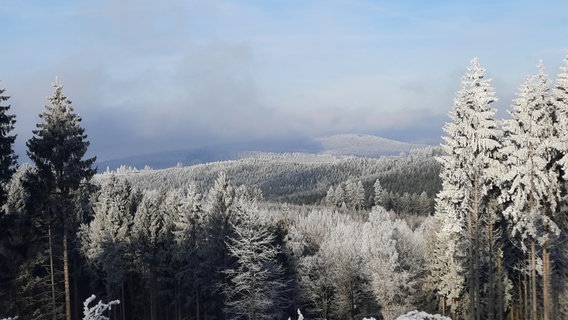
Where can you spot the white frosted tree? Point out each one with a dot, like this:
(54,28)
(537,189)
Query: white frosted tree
(329,196)
(469,171)
(423,205)
(342,248)
(532,176)
(445,247)
(358,197)
(17,192)
(318,285)
(389,281)
(256,286)
(219,215)
(187,214)
(340,197)
(152,235)
(560,101)
(379,193)
(106,240)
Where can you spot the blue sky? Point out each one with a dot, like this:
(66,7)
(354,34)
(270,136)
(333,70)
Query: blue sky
(150,76)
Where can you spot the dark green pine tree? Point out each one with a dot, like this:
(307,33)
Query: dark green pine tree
(8,166)
(57,149)
(8,159)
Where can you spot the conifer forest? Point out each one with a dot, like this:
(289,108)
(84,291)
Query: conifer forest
(473,229)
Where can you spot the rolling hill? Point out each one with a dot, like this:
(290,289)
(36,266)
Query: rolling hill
(360,145)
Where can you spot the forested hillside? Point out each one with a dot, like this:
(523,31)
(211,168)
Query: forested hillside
(300,178)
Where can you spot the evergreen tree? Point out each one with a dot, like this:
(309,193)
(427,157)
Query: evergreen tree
(330,197)
(214,255)
(340,196)
(358,199)
(256,286)
(470,168)
(389,282)
(533,185)
(106,240)
(445,248)
(317,284)
(57,149)
(16,239)
(560,101)
(8,166)
(185,209)
(153,236)
(423,204)
(380,197)
(8,159)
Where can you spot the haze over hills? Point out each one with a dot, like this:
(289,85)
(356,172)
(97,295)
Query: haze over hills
(364,145)
(361,145)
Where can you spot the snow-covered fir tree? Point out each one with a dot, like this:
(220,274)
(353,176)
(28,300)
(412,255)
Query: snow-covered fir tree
(58,149)
(560,101)
(107,241)
(256,286)
(8,158)
(532,180)
(470,167)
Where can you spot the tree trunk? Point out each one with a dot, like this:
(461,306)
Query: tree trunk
(66,276)
(547,299)
(153,296)
(76,294)
(477,264)
(534,314)
(526,311)
(52,275)
(471,266)
(123,301)
(197,303)
(500,294)
(491,299)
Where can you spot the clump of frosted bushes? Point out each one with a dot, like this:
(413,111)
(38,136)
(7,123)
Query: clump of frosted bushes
(412,315)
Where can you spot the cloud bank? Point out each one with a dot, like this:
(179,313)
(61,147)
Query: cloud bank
(152,76)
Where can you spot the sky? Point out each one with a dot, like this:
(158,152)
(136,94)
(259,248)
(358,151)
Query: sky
(151,76)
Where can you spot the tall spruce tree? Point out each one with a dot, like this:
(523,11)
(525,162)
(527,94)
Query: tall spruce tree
(560,101)
(256,287)
(469,170)
(8,159)
(105,241)
(7,168)
(532,150)
(58,148)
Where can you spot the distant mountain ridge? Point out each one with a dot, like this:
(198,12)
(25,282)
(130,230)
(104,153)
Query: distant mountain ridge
(365,145)
(361,145)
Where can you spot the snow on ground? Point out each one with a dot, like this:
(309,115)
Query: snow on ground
(420,315)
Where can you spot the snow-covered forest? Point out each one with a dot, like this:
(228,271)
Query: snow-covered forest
(473,230)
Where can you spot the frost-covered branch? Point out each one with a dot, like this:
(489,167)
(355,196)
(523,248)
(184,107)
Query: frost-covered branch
(96,312)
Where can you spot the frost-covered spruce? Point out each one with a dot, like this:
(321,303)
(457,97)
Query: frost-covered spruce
(560,101)
(469,171)
(106,240)
(8,158)
(532,178)
(256,285)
